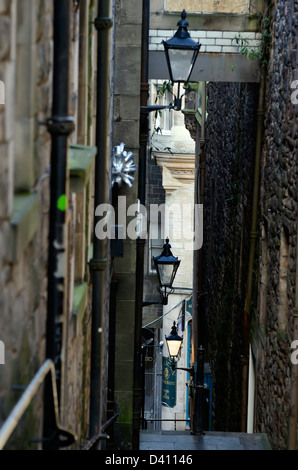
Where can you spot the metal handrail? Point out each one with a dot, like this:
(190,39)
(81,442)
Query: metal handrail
(19,409)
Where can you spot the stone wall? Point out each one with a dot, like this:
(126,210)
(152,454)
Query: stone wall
(25,68)
(126,129)
(278,226)
(229,153)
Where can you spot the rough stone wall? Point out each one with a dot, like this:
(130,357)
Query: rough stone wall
(229,153)
(23,280)
(26,67)
(278,225)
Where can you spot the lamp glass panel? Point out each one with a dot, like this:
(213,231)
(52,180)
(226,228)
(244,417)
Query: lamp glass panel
(165,273)
(181,63)
(174,347)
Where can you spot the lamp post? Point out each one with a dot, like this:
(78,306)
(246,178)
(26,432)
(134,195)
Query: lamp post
(166,266)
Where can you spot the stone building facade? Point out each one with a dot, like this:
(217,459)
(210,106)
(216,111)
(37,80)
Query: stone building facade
(26,69)
(126,103)
(26,72)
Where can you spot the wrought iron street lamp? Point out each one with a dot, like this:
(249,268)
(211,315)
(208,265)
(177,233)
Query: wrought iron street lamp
(181,54)
(166,266)
(174,342)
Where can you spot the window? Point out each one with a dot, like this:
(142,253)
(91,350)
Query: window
(162,121)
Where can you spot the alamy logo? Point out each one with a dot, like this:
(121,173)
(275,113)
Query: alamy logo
(177,221)
(294,355)
(294,95)
(2,93)
(2,353)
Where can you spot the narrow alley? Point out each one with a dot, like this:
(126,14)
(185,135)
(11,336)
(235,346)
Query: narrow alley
(148,226)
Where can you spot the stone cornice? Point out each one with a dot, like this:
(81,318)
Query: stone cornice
(178,169)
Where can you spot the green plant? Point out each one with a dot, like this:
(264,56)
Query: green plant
(261,52)
(250,53)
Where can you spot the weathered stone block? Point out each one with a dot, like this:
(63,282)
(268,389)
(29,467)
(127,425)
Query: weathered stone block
(25,154)
(4,34)
(24,224)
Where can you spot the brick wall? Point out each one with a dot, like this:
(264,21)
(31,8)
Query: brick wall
(212,41)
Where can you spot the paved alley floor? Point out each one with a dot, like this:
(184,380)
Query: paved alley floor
(183,440)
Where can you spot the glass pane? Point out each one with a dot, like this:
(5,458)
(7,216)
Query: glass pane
(165,272)
(174,347)
(181,63)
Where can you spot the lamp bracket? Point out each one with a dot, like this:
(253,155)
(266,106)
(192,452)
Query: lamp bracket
(187,369)
(150,108)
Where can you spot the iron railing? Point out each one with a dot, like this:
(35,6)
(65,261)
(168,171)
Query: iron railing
(175,420)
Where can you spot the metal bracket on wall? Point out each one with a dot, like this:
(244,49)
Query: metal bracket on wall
(98,264)
(63,125)
(103,23)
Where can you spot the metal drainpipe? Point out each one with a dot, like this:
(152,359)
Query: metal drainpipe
(293,419)
(144,130)
(253,239)
(198,255)
(60,125)
(98,263)
(198,355)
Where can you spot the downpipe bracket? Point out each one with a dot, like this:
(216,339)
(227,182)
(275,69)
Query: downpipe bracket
(103,23)
(60,125)
(98,264)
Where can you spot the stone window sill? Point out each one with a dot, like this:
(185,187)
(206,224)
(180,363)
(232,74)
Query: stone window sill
(80,162)
(79,304)
(23,223)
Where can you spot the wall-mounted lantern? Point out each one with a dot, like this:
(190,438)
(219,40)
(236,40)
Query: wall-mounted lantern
(174,342)
(166,266)
(181,54)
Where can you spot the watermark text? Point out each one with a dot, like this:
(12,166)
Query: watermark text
(2,92)
(2,353)
(294,95)
(294,355)
(180,222)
